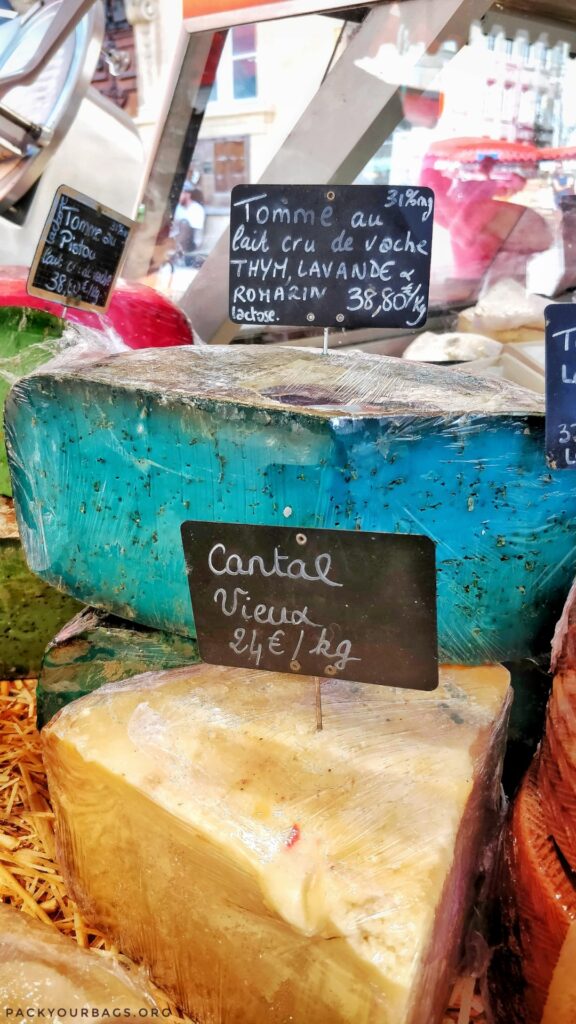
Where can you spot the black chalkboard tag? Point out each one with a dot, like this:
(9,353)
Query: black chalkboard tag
(80,252)
(561,385)
(324,603)
(330,256)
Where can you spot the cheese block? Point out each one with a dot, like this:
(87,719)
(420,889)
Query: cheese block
(265,871)
(138,315)
(40,969)
(531,977)
(507,312)
(564,640)
(94,649)
(557,765)
(109,459)
(30,610)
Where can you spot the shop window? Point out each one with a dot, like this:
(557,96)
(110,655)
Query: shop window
(244,62)
(237,77)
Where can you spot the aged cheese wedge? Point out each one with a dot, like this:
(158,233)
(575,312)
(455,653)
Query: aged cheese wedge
(109,459)
(532,977)
(265,871)
(41,970)
(30,610)
(94,649)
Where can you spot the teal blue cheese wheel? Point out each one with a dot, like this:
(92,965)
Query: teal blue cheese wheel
(109,459)
(94,649)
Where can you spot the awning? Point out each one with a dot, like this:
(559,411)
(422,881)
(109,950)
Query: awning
(209,15)
(476,149)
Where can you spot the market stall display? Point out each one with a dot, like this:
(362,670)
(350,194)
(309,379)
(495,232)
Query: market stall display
(329,869)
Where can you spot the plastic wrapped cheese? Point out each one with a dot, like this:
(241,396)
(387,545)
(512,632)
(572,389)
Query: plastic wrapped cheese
(455,346)
(531,978)
(263,870)
(507,313)
(138,316)
(556,767)
(94,649)
(556,772)
(41,970)
(109,460)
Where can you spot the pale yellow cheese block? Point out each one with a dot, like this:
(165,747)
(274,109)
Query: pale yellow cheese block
(267,872)
(42,970)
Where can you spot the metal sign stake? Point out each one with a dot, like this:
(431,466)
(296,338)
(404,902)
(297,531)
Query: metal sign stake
(319,722)
(326,337)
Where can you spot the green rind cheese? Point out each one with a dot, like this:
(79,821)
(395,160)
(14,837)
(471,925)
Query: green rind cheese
(95,649)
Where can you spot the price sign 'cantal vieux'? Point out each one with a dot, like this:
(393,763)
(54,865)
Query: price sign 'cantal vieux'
(325,603)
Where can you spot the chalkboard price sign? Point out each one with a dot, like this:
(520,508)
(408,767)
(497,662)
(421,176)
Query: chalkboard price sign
(561,385)
(330,256)
(325,603)
(80,252)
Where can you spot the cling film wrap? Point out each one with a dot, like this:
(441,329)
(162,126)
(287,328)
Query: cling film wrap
(42,969)
(264,870)
(108,460)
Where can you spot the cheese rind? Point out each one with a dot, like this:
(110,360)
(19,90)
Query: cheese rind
(39,969)
(110,459)
(94,649)
(318,876)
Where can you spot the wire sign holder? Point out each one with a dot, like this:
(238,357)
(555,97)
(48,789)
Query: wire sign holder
(341,257)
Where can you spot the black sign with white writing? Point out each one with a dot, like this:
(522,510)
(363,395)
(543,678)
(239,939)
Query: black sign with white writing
(80,252)
(328,603)
(330,256)
(561,385)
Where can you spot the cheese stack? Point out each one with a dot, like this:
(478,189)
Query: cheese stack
(109,460)
(40,969)
(263,870)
